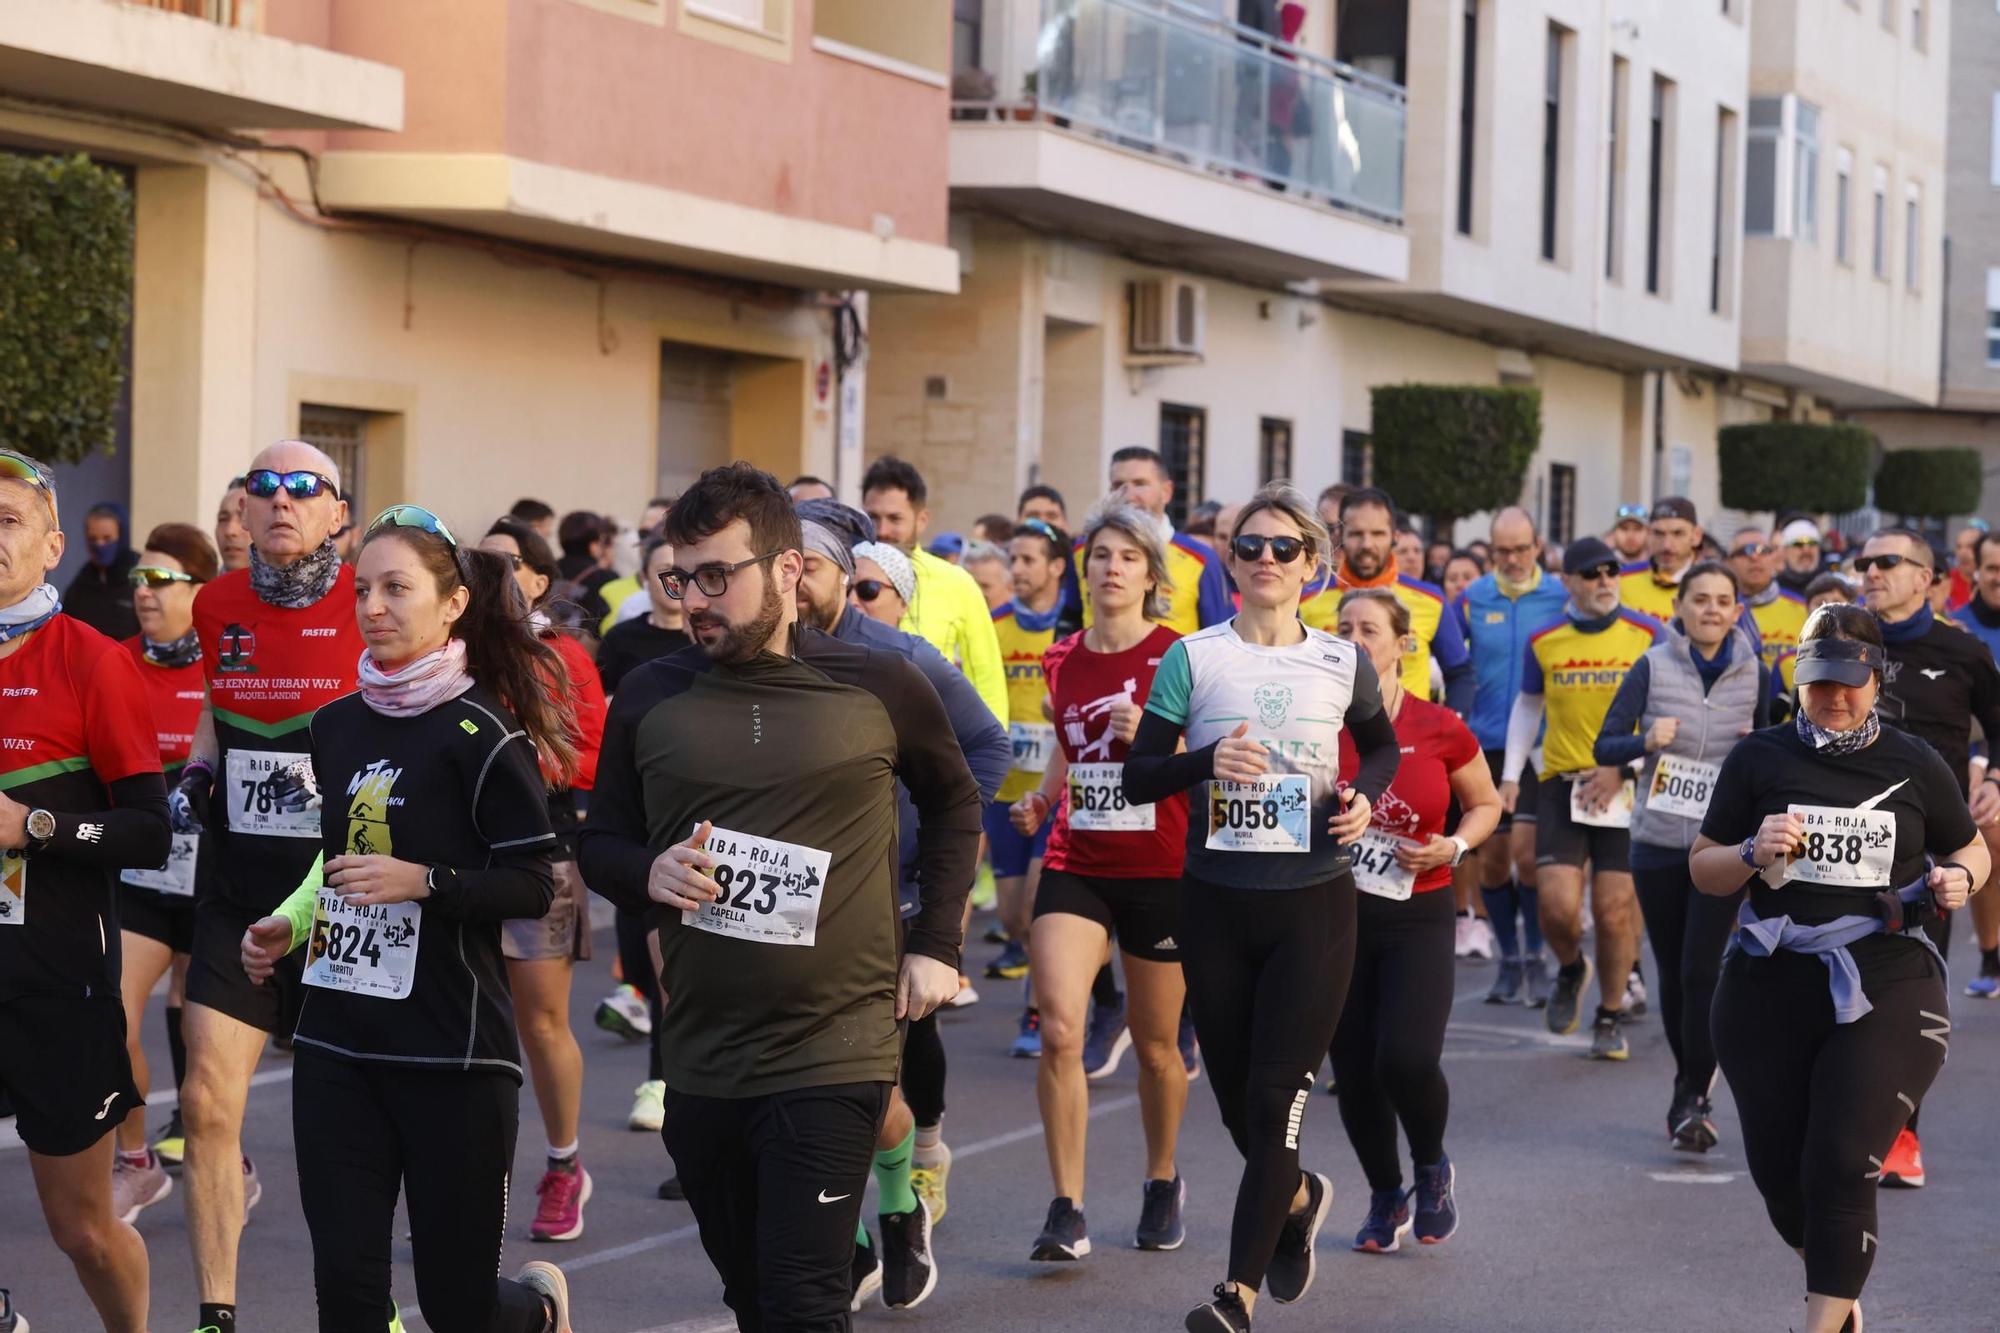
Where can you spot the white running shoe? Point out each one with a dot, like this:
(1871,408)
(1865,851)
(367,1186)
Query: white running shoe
(1481,943)
(649,1108)
(137,1188)
(1462,936)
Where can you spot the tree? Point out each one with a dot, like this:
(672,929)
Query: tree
(1928,483)
(1794,465)
(65,303)
(1448,450)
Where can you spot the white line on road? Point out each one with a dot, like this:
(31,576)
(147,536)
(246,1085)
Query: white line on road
(1692,1177)
(10,1138)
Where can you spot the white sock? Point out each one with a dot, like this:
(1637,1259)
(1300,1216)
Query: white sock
(561,1154)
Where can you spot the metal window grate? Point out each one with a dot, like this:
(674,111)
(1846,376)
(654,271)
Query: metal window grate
(1562,503)
(1183,434)
(1354,458)
(343,433)
(1274,450)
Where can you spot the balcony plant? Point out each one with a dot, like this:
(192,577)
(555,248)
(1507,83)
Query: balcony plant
(66,270)
(1929,483)
(1449,450)
(1803,465)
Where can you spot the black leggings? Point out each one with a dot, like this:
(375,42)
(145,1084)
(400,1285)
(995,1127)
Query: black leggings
(1387,1049)
(635,961)
(364,1130)
(924,1070)
(1267,972)
(1822,1101)
(1689,930)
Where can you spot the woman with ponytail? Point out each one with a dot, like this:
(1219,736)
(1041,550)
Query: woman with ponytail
(435,830)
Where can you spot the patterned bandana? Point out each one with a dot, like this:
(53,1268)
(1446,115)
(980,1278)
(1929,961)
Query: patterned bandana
(30,613)
(298,584)
(432,679)
(177,653)
(1840,742)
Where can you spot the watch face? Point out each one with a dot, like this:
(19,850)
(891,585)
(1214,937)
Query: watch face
(41,825)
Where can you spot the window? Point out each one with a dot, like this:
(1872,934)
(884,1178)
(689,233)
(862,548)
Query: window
(1805,167)
(1562,503)
(1843,206)
(1468,108)
(1552,111)
(1993,317)
(342,434)
(1182,433)
(1879,264)
(1659,177)
(1760,199)
(1913,236)
(1782,169)
(967,20)
(1354,457)
(1918,36)
(1614,123)
(1274,450)
(1721,266)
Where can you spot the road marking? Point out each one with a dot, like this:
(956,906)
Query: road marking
(1538,1034)
(10,1138)
(1692,1177)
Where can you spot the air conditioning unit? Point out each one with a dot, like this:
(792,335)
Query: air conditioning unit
(1169,317)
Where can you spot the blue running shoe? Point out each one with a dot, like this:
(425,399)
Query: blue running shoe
(1437,1206)
(1064,1237)
(1105,1041)
(1388,1222)
(1160,1226)
(1985,986)
(1028,1046)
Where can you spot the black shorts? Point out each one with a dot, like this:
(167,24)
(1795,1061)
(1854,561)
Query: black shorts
(1142,913)
(165,917)
(64,1067)
(1524,808)
(1561,841)
(215,972)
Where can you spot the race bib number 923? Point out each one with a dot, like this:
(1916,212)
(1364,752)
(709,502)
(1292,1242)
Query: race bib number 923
(771,890)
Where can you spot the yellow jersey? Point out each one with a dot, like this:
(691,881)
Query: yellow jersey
(1200,596)
(1024,636)
(1436,626)
(1779,623)
(1577,672)
(1640,589)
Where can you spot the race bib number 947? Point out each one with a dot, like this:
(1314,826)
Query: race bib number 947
(771,890)
(1272,814)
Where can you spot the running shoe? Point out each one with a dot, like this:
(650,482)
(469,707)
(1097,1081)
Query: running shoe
(563,1192)
(1290,1275)
(624,1012)
(984,891)
(395,1318)
(1985,986)
(649,1107)
(1190,1048)
(1565,1012)
(1389,1220)
(1011,964)
(909,1269)
(996,933)
(864,1275)
(670,1188)
(1903,1168)
(137,1188)
(1160,1226)
(1437,1202)
(1507,985)
(171,1146)
(1607,1039)
(1105,1041)
(1535,978)
(1223,1314)
(1480,945)
(1028,1042)
(1461,935)
(1691,1121)
(1635,995)
(966,997)
(1063,1237)
(11,1319)
(929,1179)
(253,1189)
(548,1282)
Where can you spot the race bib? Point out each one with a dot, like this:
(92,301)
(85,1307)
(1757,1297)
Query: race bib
(1097,801)
(1272,814)
(770,889)
(1846,847)
(13,889)
(1616,815)
(1682,786)
(1373,861)
(259,792)
(1033,743)
(176,876)
(363,950)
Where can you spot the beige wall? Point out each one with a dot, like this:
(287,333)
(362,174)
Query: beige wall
(1972,209)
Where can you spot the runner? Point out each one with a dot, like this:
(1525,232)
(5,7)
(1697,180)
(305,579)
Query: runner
(1673,536)
(278,640)
(1938,682)
(232,535)
(82,800)
(1981,618)
(912,1160)
(1112,869)
(1267,903)
(1571,670)
(1799,540)
(406,1076)
(1501,610)
(1779,612)
(659,632)
(1682,708)
(1390,1042)
(541,952)
(779,1032)
(1200,594)
(1628,533)
(156,906)
(1045,503)
(1830,1018)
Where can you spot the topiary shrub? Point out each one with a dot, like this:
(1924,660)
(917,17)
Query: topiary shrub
(1929,483)
(1448,450)
(1794,465)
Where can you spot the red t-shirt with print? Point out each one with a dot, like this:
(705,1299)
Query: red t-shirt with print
(1435,744)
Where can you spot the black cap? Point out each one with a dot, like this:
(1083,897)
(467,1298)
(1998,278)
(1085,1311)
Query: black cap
(1587,553)
(1675,506)
(1850,662)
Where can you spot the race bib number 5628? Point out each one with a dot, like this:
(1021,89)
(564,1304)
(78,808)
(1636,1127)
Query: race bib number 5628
(771,890)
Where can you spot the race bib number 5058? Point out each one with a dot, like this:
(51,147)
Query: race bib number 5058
(1272,814)
(771,890)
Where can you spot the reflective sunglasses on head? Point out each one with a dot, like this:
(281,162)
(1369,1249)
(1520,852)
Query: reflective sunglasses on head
(413,516)
(23,468)
(1036,526)
(713,580)
(1864,563)
(868,589)
(1633,514)
(152,576)
(1752,550)
(1283,549)
(263,483)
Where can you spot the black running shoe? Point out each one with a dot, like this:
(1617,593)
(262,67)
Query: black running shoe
(1160,1226)
(13,1321)
(1063,1237)
(864,1275)
(1565,1011)
(670,1188)
(1223,1314)
(1693,1124)
(1290,1275)
(909,1269)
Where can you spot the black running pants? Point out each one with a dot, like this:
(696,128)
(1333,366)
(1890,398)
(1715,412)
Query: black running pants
(924,1070)
(1689,930)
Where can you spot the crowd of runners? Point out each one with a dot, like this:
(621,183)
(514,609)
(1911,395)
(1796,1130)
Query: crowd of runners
(1232,799)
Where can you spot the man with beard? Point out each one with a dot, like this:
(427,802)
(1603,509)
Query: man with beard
(746,792)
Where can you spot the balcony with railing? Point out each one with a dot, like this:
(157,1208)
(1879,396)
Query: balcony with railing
(1183,121)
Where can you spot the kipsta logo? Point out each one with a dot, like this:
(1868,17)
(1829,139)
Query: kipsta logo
(237,647)
(1274,703)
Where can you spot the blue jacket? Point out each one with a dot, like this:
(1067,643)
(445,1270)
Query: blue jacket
(981,738)
(1498,628)
(1973,617)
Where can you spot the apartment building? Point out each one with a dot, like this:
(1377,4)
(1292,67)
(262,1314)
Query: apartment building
(478,248)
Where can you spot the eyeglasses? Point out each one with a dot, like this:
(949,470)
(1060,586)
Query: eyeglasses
(23,468)
(868,589)
(1864,563)
(410,516)
(152,576)
(1284,550)
(1752,550)
(713,580)
(1596,572)
(264,483)
(1633,513)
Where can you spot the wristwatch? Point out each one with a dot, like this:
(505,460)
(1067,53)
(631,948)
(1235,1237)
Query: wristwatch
(1748,851)
(41,828)
(1464,849)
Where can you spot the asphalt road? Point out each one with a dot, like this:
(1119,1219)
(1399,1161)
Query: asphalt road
(1577,1215)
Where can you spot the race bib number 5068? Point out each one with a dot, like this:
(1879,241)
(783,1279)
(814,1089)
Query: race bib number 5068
(771,890)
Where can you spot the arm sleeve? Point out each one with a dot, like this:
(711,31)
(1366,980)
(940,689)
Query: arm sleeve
(981,738)
(947,801)
(1617,744)
(511,810)
(300,907)
(1448,645)
(1374,734)
(1155,766)
(132,835)
(1213,604)
(613,850)
(1461,686)
(1522,724)
(1985,695)
(980,645)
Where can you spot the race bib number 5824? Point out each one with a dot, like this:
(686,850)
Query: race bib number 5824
(363,950)
(771,890)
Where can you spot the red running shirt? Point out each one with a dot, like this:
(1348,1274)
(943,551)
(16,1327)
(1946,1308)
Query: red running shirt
(586,695)
(1435,744)
(176,694)
(1082,686)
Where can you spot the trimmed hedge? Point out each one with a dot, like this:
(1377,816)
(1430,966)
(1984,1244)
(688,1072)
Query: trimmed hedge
(1929,483)
(1448,450)
(65,303)
(1794,465)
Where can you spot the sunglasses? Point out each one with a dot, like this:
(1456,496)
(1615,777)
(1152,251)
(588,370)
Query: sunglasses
(1596,572)
(409,516)
(1864,563)
(152,576)
(1633,513)
(23,468)
(868,589)
(265,483)
(1752,550)
(713,580)
(1038,527)
(1284,550)
(1798,542)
